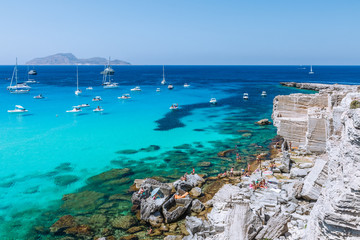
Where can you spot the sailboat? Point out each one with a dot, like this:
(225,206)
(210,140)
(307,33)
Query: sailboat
(311,71)
(163,82)
(78,91)
(18,87)
(107,73)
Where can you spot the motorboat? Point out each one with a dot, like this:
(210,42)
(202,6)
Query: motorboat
(30,81)
(158,89)
(20,91)
(98,109)
(174,106)
(137,88)
(18,109)
(186,85)
(163,82)
(213,101)
(89,88)
(111,85)
(82,105)
(40,96)
(311,71)
(170,87)
(263,94)
(125,96)
(78,91)
(246,96)
(96,99)
(32,72)
(74,110)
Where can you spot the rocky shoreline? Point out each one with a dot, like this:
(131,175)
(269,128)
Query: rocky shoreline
(308,188)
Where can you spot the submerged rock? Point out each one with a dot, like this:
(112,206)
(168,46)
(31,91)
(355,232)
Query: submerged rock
(127,151)
(123,222)
(82,201)
(150,148)
(63,223)
(263,122)
(65,180)
(110,175)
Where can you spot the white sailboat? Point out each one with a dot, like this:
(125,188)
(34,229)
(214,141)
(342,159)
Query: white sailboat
(18,87)
(107,73)
(163,82)
(78,91)
(311,71)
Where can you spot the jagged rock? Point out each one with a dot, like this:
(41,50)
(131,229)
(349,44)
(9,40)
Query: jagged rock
(190,182)
(275,227)
(156,219)
(285,162)
(315,180)
(109,175)
(197,206)
(196,192)
(305,165)
(148,186)
(149,206)
(134,229)
(263,122)
(173,209)
(62,224)
(297,172)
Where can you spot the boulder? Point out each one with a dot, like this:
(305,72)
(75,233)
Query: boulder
(79,231)
(156,219)
(190,182)
(197,206)
(315,180)
(305,165)
(297,172)
(134,230)
(264,121)
(173,209)
(149,206)
(195,192)
(193,225)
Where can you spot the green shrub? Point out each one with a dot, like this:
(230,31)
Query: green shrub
(354,104)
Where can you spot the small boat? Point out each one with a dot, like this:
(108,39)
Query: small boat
(263,94)
(18,109)
(170,87)
(213,101)
(246,96)
(82,105)
(175,106)
(158,89)
(78,91)
(89,88)
(30,81)
(163,82)
(98,109)
(311,71)
(32,72)
(40,96)
(186,85)
(96,99)
(137,88)
(125,96)
(111,85)
(74,110)
(108,70)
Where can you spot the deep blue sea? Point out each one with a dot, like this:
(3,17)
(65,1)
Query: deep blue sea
(47,152)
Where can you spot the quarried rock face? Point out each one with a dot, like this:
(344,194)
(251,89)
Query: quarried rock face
(336,214)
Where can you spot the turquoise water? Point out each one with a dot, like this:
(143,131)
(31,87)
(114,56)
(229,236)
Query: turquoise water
(38,147)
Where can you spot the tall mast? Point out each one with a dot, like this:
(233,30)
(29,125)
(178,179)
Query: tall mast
(163,73)
(77,77)
(16,77)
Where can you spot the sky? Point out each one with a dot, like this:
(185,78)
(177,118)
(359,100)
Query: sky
(184,32)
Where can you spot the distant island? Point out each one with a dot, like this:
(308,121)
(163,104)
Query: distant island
(70,59)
